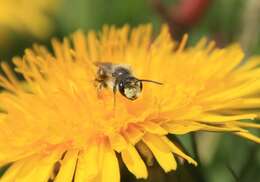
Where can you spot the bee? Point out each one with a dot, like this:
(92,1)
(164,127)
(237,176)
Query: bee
(119,77)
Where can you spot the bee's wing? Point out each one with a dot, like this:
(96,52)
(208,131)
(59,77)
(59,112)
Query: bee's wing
(106,67)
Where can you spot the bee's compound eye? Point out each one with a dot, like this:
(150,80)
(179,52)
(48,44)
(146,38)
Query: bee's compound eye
(130,88)
(121,88)
(131,93)
(121,84)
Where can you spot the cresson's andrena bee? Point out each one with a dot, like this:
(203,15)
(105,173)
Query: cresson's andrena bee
(119,77)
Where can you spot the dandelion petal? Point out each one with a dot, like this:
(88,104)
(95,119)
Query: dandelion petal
(161,152)
(87,166)
(110,168)
(134,162)
(68,167)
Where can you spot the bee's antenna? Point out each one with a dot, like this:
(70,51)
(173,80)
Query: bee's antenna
(151,81)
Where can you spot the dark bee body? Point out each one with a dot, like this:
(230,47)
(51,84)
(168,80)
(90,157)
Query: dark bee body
(119,77)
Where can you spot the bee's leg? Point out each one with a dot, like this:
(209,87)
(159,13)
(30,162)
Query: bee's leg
(114,91)
(100,85)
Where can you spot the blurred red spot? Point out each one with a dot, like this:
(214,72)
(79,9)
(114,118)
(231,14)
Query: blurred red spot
(189,12)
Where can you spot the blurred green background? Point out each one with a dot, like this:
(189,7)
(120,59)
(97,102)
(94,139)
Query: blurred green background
(222,157)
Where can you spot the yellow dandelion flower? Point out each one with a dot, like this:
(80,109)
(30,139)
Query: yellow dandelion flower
(26,16)
(61,126)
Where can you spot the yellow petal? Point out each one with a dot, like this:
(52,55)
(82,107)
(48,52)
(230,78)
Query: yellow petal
(249,136)
(221,118)
(110,168)
(180,128)
(252,62)
(234,92)
(161,152)
(11,173)
(87,166)
(134,162)
(182,43)
(156,141)
(133,134)
(153,128)
(68,167)
(244,103)
(246,124)
(38,167)
(177,151)
(10,75)
(118,142)
(220,127)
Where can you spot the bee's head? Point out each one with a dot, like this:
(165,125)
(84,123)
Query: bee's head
(130,87)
